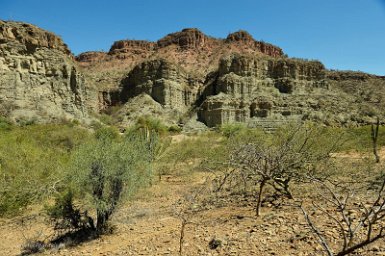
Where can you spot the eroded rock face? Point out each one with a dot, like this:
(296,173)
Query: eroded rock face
(187,38)
(190,48)
(126,49)
(270,91)
(244,38)
(167,84)
(30,36)
(92,56)
(257,90)
(38,78)
(183,76)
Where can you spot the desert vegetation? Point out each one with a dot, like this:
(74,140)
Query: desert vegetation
(84,182)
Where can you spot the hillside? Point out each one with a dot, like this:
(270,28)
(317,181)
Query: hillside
(182,78)
(171,193)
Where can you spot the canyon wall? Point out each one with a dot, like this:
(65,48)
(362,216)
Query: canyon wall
(183,76)
(39,80)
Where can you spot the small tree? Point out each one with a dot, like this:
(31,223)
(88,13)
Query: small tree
(358,223)
(279,159)
(374,136)
(108,168)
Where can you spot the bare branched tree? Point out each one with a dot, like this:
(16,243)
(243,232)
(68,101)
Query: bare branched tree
(358,224)
(188,206)
(374,136)
(279,163)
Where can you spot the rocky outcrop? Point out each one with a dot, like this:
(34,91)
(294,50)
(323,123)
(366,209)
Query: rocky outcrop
(30,36)
(189,48)
(92,56)
(127,49)
(130,45)
(189,38)
(270,91)
(258,90)
(39,80)
(182,77)
(244,38)
(166,83)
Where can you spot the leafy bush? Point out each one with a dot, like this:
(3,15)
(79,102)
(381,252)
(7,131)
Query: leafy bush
(358,138)
(206,152)
(65,217)
(106,169)
(32,162)
(233,129)
(151,124)
(174,129)
(107,119)
(5,124)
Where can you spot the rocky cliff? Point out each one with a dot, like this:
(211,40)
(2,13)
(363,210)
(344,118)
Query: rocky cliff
(270,91)
(260,91)
(183,76)
(39,80)
(190,49)
(237,79)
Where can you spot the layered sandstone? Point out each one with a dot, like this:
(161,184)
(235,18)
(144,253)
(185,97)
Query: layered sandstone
(39,80)
(250,88)
(184,76)
(167,85)
(270,91)
(190,48)
(189,38)
(30,36)
(258,90)
(244,38)
(92,57)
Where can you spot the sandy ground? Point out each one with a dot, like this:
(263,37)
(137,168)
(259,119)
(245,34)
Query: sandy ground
(150,225)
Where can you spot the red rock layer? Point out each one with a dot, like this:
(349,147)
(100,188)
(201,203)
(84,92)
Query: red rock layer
(243,37)
(91,56)
(189,39)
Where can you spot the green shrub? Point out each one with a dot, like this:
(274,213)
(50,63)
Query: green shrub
(66,217)
(106,119)
(174,129)
(358,138)
(5,124)
(32,162)
(204,152)
(151,124)
(108,168)
(233,129)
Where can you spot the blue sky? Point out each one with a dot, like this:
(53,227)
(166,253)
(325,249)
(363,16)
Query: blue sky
(343,34)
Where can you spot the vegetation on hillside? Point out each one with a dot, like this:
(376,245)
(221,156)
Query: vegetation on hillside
(83,176)
(33,160)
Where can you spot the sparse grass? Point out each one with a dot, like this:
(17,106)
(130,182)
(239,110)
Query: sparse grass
(38,150)
(358,138)
(32,160)
(203,152)
(33,157)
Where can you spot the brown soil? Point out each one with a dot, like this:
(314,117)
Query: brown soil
(150,226)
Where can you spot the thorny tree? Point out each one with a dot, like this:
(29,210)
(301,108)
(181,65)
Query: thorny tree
(374,136)
(358,224)
(107,169)
(288,156)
